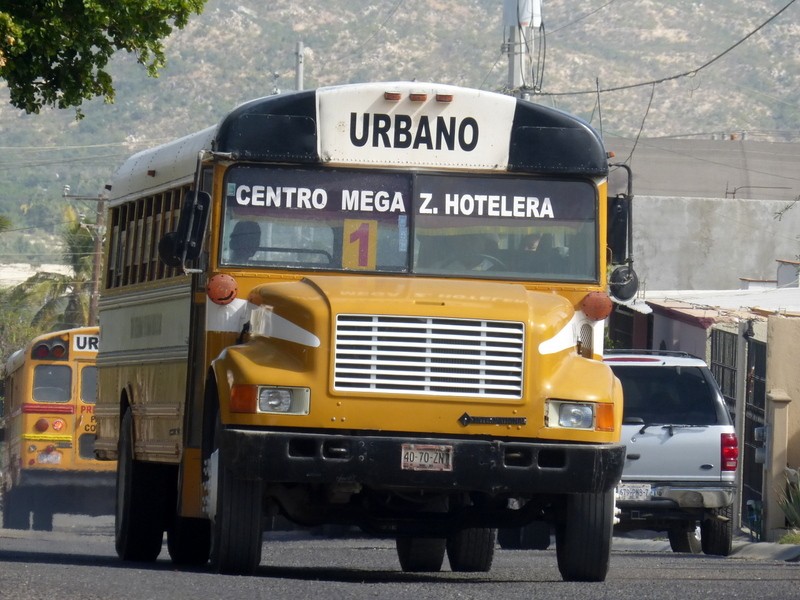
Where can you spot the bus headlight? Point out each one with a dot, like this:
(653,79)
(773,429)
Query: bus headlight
(283,400)
(570,415)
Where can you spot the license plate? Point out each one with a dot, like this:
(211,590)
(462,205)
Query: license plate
(48,458)
(633,491)
(426,457)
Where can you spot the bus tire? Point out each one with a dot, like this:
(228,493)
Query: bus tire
(16,514)
(139,515)
(421,555)
(189,541)
(42,520)
(583,536)
(471,550)
(237,529)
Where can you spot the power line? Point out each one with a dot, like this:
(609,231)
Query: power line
(362,46)
(4,166)
(690,73)
(641,127)
(583,16)
(154,142)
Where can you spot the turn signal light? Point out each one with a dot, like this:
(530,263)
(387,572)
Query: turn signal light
(243,399)
(605,417)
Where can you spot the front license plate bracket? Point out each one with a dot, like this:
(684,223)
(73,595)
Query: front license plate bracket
(426,457)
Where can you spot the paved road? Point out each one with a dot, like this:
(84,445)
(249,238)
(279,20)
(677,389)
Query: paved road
(76,561)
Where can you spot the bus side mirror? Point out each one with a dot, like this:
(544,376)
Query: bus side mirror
(619,214)
(184,244)
(623,283)
(169,250)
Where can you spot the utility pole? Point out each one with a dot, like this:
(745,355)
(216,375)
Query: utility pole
(520,17)
(97,236)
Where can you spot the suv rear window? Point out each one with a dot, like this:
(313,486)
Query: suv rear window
(668,395)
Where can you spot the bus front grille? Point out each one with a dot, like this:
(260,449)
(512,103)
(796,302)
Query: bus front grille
(429,356)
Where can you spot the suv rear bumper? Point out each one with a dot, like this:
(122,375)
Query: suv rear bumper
(683,496)
(482,465)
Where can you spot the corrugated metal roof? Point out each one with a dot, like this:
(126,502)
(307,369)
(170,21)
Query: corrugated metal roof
(784,301)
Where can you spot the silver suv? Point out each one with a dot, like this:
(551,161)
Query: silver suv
(682,452)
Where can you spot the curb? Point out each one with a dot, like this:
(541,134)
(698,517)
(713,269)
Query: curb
(767,551)
(742,548)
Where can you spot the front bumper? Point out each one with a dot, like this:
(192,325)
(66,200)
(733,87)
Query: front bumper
(370,460)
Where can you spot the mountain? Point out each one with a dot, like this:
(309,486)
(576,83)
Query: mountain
(674,67)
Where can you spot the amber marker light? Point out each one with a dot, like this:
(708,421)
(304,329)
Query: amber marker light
(418,96)
(604,417)
(445,98)
(221,289)
(392,96)
(243,399)
(597,305)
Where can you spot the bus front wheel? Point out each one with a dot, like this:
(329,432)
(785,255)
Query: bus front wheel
(139,517)
(583,536)
(236,529)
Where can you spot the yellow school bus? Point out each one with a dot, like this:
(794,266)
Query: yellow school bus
(49,466)
(377,305)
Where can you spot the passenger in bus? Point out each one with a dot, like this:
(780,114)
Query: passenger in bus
(531,242)
(244,242)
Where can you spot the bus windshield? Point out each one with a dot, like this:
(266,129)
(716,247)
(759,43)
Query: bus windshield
(498,227)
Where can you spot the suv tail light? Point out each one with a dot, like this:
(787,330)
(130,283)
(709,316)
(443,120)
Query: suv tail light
(729,451)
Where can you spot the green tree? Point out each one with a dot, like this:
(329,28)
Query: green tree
(55,52)
(15,325)
(5,223)
(53,301)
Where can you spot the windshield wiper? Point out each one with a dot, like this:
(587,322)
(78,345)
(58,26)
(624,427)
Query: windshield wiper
(673,427)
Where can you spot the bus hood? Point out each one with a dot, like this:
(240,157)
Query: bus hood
(443,298)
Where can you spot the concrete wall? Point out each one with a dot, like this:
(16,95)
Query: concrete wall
(783,360)
(707,212)
(672,334)
(782,417)
(709,243)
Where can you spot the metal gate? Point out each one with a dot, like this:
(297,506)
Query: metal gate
(754,417)
(723,362)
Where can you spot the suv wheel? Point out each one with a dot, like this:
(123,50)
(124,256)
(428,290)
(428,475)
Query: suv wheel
(685,538)
(717,532)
